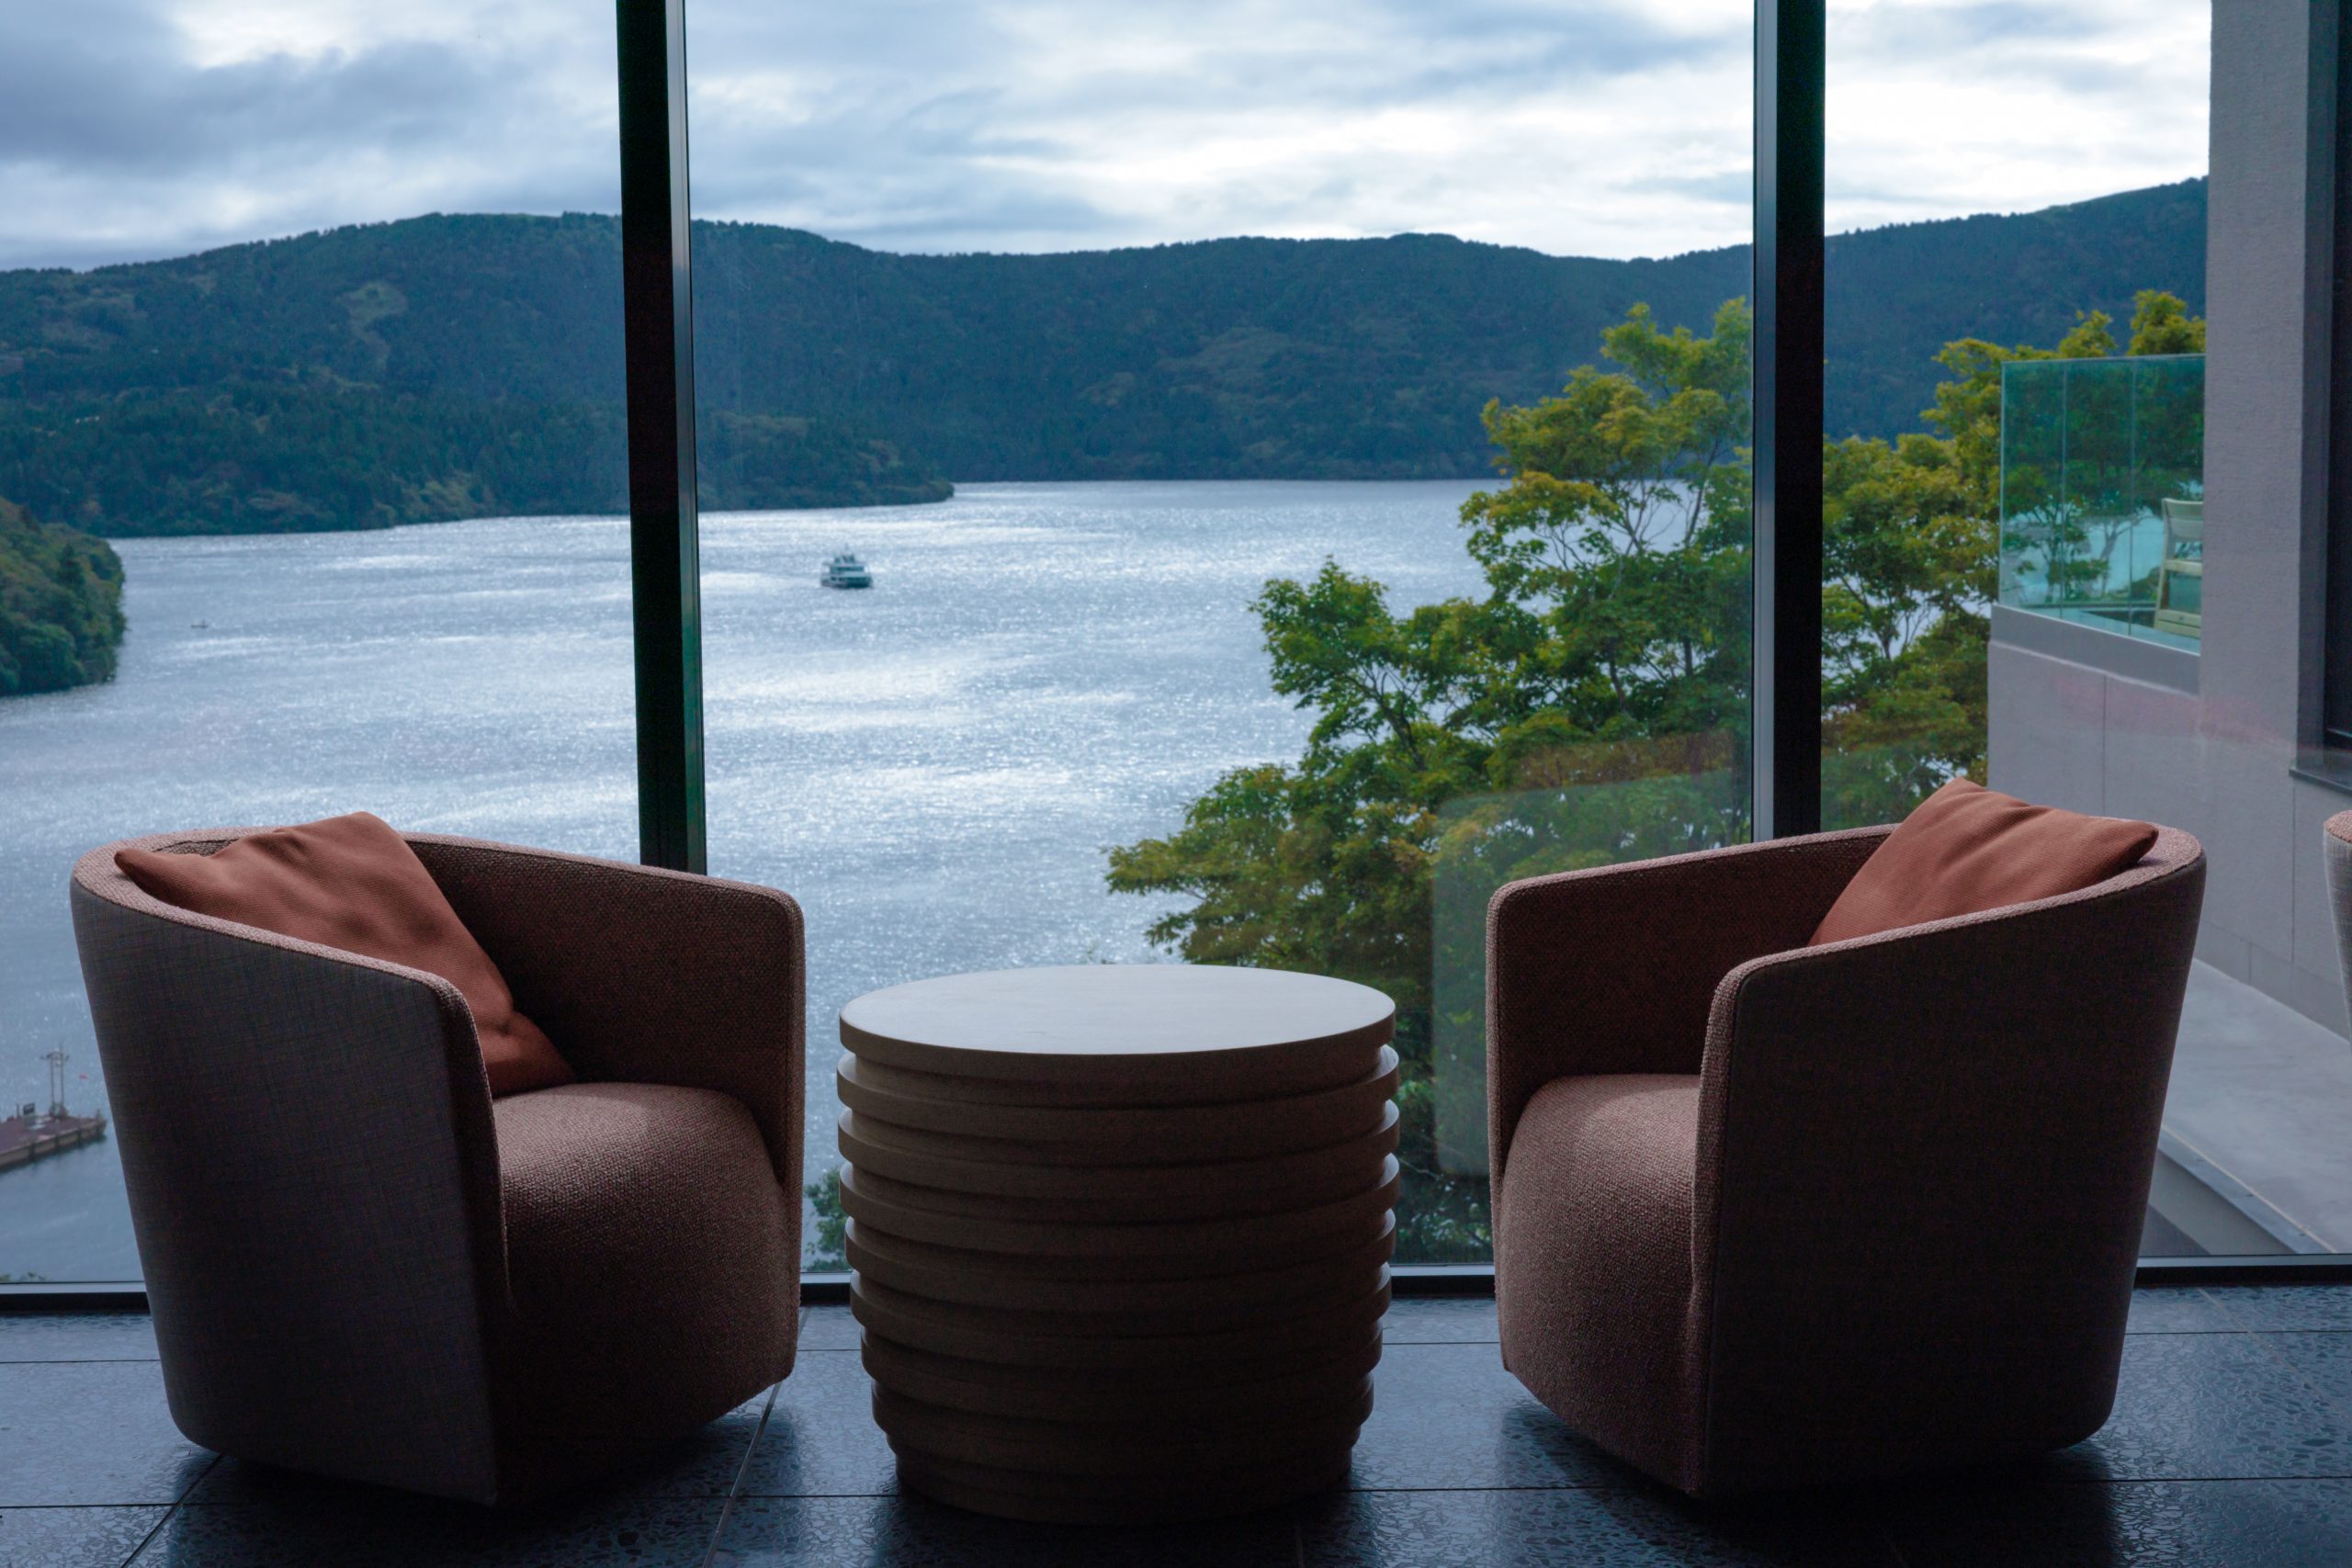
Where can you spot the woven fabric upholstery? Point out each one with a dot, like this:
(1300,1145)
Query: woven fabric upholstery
(314,1170)
(1919,1172)
(306,1144)
(639,1219)
(2336,839)
(353,883)
(1604,1175)
(646,976)
(1612,970)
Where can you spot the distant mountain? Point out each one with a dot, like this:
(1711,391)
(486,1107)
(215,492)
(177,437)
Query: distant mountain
(449,366)
(1358,358)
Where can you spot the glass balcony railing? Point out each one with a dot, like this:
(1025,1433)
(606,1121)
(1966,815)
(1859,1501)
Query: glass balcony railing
(2102,492)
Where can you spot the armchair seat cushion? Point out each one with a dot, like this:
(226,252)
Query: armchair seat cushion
(1597,1203)
(640,1218)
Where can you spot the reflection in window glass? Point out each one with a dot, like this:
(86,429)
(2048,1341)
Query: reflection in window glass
(2102,492)
(2017,544)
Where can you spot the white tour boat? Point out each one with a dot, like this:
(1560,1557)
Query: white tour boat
(845,570)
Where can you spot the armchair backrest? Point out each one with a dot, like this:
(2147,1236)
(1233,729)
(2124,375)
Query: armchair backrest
(307,1145)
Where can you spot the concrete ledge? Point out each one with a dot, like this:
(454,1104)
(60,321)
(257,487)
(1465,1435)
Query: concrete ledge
(2329,768)
(2218,1211)
(2261,1092)
(2111,653)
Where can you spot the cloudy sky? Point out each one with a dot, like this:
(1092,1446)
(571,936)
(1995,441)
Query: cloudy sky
(133,129)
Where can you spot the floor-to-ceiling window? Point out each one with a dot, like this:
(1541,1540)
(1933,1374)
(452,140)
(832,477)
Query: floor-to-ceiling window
(311,468)
(1219,400)
(2013,391)
(1298,456)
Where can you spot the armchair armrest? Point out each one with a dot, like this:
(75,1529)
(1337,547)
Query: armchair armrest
(644,975)
(1612,970)
(307,1141)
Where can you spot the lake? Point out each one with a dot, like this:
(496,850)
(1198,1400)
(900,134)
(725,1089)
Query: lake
(934,768)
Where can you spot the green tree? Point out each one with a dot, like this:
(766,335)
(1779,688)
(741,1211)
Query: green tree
(1911,540)
(61,606)
(826,1250)
(1908,570)
(1615,567)
(2161,324)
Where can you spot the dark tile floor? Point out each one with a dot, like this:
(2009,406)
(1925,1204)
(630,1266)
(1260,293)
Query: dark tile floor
(2231,1444)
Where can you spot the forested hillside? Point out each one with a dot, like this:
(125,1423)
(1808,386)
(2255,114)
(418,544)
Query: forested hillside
(409,372)
(1367,358)
(256,457)
(61,606)
(451,365)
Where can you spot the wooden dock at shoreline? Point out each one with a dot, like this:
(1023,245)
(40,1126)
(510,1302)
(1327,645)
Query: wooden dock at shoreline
(26,1138)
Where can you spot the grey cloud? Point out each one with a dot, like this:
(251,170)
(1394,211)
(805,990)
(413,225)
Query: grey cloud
(976,124)
(115,143)
(105,85)
(2053,44)
(1942,29)
(965,145)
(1734,187)
(895,182)
(1009,220)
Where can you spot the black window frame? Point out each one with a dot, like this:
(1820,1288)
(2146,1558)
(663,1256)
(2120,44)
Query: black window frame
(1788,375)
(2335,725)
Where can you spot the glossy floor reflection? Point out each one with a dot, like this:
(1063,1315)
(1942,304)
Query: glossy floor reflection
(2230,1445)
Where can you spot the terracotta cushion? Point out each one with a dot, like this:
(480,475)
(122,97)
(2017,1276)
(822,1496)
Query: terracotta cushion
(352,883)
(1968,849)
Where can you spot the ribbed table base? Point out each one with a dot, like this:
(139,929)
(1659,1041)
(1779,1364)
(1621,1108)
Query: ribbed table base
(1088,1306)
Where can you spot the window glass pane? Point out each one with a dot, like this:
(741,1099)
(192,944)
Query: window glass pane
(1996,305)
(2018,545)
(1231,644)
(311,328)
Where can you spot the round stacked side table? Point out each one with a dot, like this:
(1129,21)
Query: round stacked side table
(1119,1234)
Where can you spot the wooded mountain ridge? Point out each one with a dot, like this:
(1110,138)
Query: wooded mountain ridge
(456,366)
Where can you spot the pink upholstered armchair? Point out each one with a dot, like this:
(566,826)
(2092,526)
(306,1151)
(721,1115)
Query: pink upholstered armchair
(1768,1214)
(361,1265)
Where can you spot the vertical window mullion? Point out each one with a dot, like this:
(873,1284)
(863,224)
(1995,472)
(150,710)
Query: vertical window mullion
(1791,41)
(664,546)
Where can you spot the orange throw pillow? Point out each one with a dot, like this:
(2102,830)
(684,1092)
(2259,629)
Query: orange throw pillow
(352,883)
(1968,849)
